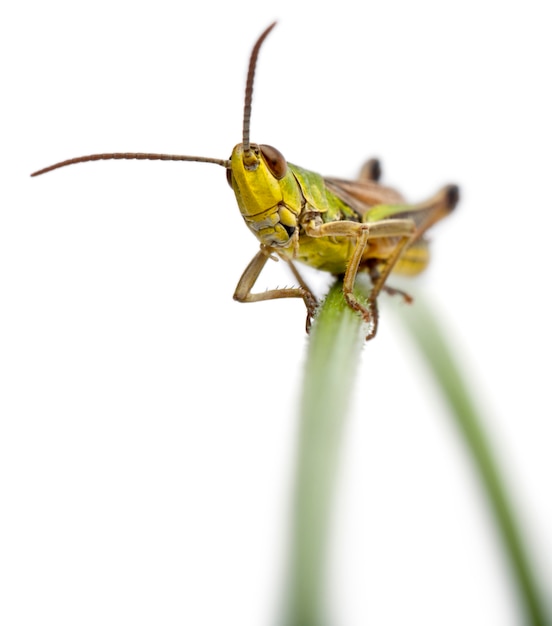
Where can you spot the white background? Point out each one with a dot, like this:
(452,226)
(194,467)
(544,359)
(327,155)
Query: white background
(147,420)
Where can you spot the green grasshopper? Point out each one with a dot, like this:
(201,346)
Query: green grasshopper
(335,225)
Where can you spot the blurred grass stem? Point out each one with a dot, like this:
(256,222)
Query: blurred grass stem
(335,342)
(427,334)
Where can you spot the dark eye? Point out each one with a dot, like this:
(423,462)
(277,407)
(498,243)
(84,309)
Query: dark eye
(274,160)
(229,177)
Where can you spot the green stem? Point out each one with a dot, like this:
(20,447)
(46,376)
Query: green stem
(335,341)
(427,334)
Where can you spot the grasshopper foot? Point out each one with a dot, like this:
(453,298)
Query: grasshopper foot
(369,313)
(311,304)
(392,291)
(373,321)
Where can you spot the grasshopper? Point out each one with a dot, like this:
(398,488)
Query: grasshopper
(335,225)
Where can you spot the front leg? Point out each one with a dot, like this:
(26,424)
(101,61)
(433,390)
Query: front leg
(252,272)
(402,229)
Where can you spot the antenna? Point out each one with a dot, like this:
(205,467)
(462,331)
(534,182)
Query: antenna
(249,88)
(177,157)
(132,155)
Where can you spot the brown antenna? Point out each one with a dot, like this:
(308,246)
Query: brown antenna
(132,155)
(249,87)
(177,157)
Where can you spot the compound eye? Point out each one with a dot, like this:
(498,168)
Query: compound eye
(229,177)
(274,160)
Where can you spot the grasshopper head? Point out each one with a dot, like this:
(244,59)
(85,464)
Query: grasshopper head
(268,198)
(255,175)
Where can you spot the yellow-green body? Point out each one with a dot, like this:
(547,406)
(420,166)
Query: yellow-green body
(276,211)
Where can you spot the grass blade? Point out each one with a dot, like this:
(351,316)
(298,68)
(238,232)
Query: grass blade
(430,339)
(335,342)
